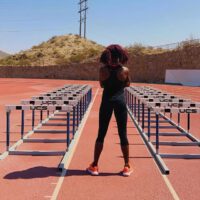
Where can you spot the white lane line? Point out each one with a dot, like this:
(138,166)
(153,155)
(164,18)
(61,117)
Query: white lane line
(165,178)
(62,176)
(170,187)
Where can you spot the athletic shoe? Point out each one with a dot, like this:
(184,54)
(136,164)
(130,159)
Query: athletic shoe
(127,171)
(93,170)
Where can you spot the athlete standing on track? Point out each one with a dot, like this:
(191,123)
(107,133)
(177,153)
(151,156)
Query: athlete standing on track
(113,77)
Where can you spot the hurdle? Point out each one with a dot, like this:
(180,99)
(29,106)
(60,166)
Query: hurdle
(66,108)
(66,90)
(39,103)
(78,94)
(147,106)
(73,106)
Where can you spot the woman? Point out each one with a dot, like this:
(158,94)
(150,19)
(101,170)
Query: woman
(113,77)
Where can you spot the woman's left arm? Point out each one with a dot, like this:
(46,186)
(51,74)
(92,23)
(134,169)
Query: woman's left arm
(127,74)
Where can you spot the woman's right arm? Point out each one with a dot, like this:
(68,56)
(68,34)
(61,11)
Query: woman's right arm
(101,77)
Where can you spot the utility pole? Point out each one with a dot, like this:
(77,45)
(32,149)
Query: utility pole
(83,16)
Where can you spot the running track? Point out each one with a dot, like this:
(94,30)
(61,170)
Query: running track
(27,177)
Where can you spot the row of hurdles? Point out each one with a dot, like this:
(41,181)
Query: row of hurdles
(151,108)
(70,101)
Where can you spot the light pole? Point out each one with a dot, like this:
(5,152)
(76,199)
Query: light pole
(83,16)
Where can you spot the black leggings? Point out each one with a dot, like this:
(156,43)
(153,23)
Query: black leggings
(105,113)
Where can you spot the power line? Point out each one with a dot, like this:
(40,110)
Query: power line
(83,16)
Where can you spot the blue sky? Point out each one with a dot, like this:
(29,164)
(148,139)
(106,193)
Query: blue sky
(24,23)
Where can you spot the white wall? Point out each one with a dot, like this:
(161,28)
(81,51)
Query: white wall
(184,77)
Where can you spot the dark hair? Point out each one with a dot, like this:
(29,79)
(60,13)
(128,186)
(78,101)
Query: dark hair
(112,53)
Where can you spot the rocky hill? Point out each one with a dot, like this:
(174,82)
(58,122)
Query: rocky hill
(66,49)
(3,54)
(59,50)
(72,57)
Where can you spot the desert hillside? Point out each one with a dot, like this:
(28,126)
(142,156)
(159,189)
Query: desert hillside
(67,49)
(59,50)
(72,57)
(3,54)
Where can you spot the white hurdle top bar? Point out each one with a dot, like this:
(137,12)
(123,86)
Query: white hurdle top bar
(164,102)
(66,108)
(49,102)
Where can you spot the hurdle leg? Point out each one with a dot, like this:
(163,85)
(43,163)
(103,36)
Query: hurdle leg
(84,104)
(41,115)
(138,111)
(135,113)
(47,113)
(179,119)
(80,114)
(77,115)
(74,120)
(87,100)
(157,133)
(68,129)
(149,124)
(128,100)
(132,103)
(22,124)
(33,119)
(188,122)
(90,95)
(7,130)
(83,107)
(143,116)
(82,110)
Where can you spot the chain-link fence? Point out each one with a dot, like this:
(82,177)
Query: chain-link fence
(179,44)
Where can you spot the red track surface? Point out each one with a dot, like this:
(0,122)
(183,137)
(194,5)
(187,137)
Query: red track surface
(27,177)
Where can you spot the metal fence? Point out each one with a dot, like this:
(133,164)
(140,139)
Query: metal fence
(178,44)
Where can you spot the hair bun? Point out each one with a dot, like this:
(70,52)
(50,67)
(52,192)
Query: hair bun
(114,52)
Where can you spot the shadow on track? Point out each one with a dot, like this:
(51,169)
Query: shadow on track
(44,172)
(35,172)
